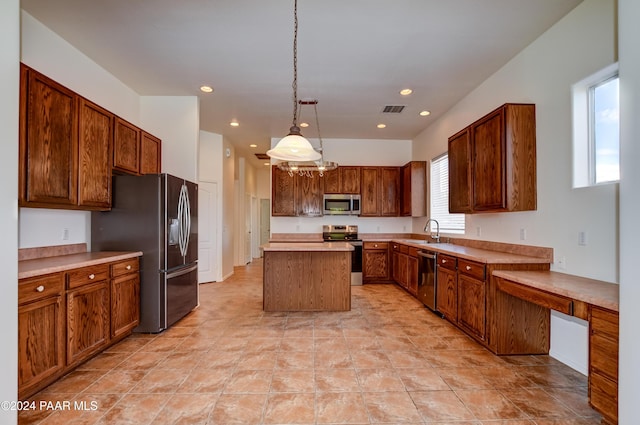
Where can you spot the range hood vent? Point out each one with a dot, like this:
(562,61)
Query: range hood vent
(393,109)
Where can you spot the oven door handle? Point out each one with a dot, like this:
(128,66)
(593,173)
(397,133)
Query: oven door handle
(427,255)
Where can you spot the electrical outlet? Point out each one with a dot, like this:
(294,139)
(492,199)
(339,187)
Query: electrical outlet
(378,229)
(478,231)
(297,227)
(404,228)
(523,234)
(561,262)
(65,234)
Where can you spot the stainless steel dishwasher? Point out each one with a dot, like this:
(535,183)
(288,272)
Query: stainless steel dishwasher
(427,279)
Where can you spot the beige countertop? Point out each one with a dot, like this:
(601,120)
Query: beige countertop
(590,291)
(59,263)
(474,254)
(307,246)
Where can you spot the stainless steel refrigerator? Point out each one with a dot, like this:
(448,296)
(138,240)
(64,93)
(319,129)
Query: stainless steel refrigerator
(155,214)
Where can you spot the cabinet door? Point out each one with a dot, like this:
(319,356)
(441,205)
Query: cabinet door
(488,139)
(413,200)
(150,154)
(370,192)
(400,266)
(95,141)
(405,204)
(447,293)
(332,181)
(350,180)
(126,147)
(460,185)
(375,264)
(308,197)
(87,321)
(48,172)
(125,304)
(283,193)
(40,342)
(412,275)
(471,305)
(390,191)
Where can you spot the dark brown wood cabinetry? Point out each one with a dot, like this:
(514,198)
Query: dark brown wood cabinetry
(472,297)
(69,144)
(375,262)
(342,180)
(295,195)
(48,152)
(492,163)
(447,287)
(308,197)
(68,317)
(41,331)
(414,201)
(405,266)
(380,192)
(603,362)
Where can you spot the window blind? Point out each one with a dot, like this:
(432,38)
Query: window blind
(449,223)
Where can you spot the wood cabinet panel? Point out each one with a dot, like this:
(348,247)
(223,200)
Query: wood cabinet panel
(344,179)
(603,362)
(447,293)
(126,147)
(603,396)
(332,181)
(460,160)
(150,154)
(375,262)
(48,150)
(308,197)
(414,194)
(95,141)
(40,287)
(87,275)
(447,261)
(390,191)
(488,163)
(125,304)
(370,190)
(472,304)
(471,268)
(87,321)
(412,275)
(547,300)
(283,193)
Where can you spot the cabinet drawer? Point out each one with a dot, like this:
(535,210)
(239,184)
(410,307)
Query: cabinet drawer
(120,268)
(603,355)
(447,261)
(605,322)
(471,268)
(40,287)
(404,249)
(85,275)
(603,395)
(376,245)
(536,296)
(413,251)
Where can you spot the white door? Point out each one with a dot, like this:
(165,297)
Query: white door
(247,229)
(207,231)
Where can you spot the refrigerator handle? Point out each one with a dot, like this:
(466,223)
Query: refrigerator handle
(184,216)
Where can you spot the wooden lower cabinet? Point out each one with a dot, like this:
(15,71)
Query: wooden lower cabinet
(412,274)
(447,292)
(87,321)
(41,322)
(67,317)
(603,362)
(375,262)
(472,305)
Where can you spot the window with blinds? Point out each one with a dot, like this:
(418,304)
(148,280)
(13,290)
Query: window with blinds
(449,223)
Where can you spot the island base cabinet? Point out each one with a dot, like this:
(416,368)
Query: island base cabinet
(87,321)
(40,342)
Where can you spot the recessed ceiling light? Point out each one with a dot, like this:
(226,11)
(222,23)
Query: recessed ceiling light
(406,92)
(381,125)
(234,124)
(304,124)
(424,113)
(253,145)
(267,163)
(206,89)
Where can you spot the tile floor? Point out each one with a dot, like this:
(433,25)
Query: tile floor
(387,361)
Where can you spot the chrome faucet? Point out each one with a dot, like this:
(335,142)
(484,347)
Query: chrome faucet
(437,236)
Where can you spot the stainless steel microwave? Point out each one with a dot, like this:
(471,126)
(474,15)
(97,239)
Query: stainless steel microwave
(341,204)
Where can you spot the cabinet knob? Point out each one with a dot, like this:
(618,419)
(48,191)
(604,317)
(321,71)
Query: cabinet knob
(444,261)
(92,276)
(468,268)
(375,245)
(128,267)
(40,288)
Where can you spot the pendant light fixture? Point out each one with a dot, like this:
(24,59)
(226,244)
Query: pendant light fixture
(294,147)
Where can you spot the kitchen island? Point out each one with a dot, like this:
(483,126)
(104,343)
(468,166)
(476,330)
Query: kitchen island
(312,276)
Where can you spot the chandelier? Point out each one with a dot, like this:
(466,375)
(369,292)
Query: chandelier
(307,168)
(294,147)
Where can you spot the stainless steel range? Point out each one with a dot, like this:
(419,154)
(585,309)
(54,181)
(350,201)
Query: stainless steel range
(347,233)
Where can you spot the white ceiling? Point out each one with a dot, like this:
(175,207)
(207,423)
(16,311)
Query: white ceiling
(353,56)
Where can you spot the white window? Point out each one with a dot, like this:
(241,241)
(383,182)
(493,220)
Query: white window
(596,129)
(439,198)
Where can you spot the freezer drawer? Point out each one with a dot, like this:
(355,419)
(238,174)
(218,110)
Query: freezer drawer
(181,293)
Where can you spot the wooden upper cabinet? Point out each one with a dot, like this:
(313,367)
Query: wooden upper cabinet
(150,154)
(414,200)
(460,172)
(370,192)
(94,156)
(48,150)
(283,193)
(390,191)
(308,197)
(342,180)
(502,157)
(126,147)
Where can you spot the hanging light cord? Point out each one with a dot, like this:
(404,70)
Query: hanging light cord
(295,64)
(315,109)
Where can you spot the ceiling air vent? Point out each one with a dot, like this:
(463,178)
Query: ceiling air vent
(393,109)
(262,156)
